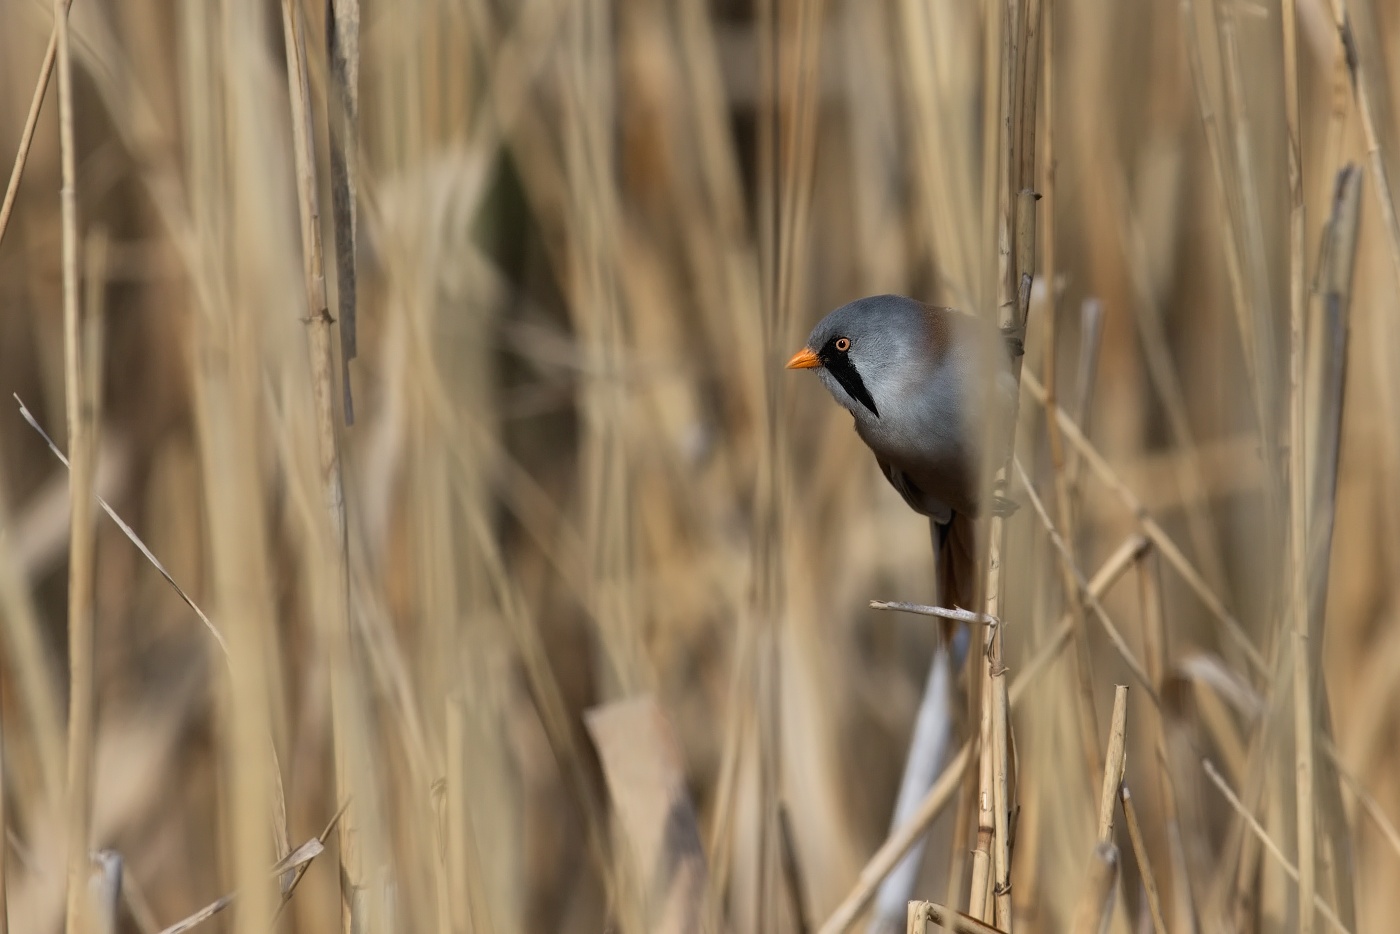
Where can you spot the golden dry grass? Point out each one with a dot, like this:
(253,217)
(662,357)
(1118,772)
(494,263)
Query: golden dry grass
(588,234)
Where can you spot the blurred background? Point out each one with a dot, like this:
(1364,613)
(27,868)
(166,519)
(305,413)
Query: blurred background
(587,235)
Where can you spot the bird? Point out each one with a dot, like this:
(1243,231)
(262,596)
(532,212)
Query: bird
(932,393)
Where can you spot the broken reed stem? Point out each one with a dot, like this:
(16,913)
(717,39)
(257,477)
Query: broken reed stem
(898,843)
(923,914)
(1297,484)
(1095,907)
(320,343)
(1149,880)
(1360,87)
(1263,836)
(956,615)
(80,399)
(36,103)
(1113,762)
(288,870)
(103,892)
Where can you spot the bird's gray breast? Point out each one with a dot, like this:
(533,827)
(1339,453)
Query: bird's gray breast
(925,449)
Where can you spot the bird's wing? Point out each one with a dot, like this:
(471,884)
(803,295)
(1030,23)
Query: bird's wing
(918,500)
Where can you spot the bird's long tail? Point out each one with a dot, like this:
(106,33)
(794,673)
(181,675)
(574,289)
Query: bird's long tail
(955,551)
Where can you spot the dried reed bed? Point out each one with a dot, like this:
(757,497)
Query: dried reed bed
(577,240)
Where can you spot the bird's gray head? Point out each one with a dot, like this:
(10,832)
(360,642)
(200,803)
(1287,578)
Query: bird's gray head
(866,351)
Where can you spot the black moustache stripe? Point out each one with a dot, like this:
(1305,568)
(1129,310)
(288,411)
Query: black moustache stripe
(840,366)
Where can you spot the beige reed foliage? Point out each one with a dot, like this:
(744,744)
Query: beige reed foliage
(585,235)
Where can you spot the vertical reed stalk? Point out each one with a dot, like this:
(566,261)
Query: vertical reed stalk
(80,395)
(322,361)
(1297,485)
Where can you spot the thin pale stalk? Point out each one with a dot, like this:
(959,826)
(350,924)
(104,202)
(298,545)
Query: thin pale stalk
(1241,298)
(1155,654)
(1149,880)
(4,888)
(1259,832)
(36,103)
(1297,485)
(81,399)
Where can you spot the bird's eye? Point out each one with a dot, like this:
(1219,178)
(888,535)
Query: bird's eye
(843,344)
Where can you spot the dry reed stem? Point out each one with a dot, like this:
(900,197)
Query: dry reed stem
(792,872)
(299,860)
(1136,667)
(34,674)
(1320,906)
(1246,207)
(467,889)
(200,916)
(1297,485)
(296,863)
(978,888)
(1361,77)
(1019,94)
(1113,763)
(898,843)
(36,103)
(1114,634)
(1090,346)
(1064,501)
(4,846)
(103,892)
(924,914)
(1150,527)
(318,324)
(1326,375)
(1226,196)
(1155,648)
(786,157)
(81,396)
(128,531)
(343,47)
(1166,381)
(1149,879)
(1335,276)
(1094,910)
(919,609)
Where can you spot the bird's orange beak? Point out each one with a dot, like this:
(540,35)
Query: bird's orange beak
(804,359)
